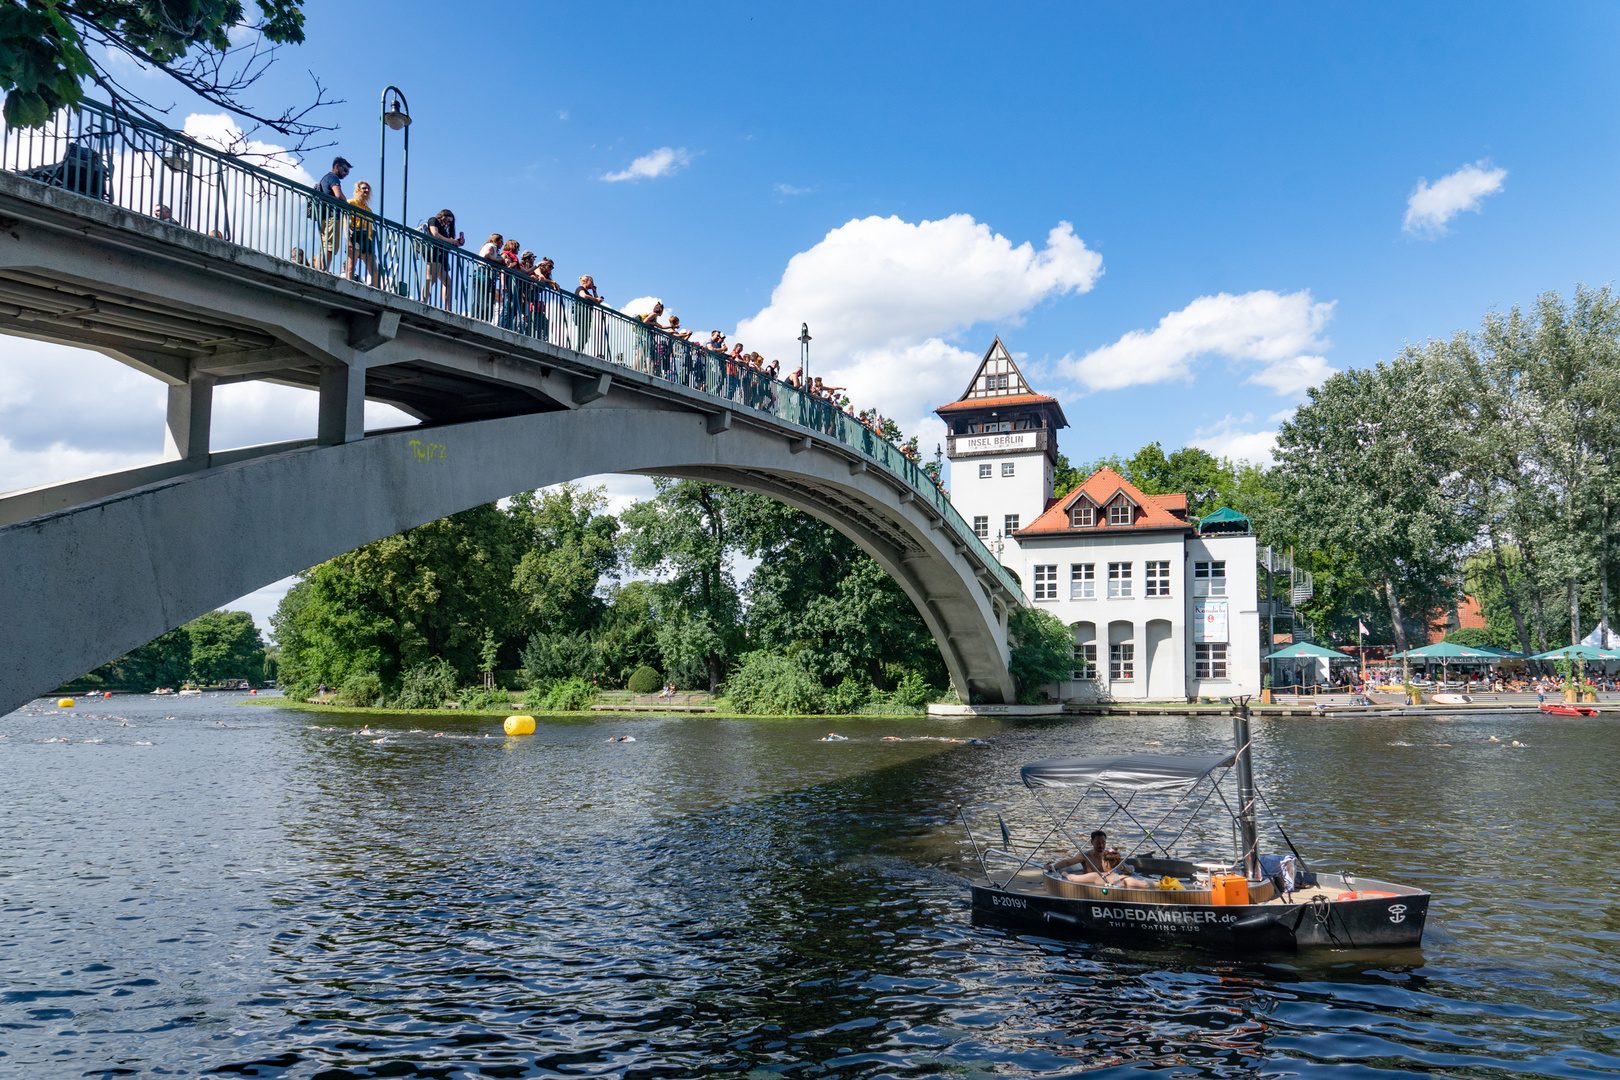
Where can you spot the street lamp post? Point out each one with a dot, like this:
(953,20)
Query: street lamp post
(396,116)
(804,351)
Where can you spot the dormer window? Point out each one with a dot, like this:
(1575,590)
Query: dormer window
(1083,516)
(1120,513)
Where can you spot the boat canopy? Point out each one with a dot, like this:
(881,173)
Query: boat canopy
(1126,772)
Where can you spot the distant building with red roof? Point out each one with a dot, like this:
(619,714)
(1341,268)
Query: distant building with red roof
(1160,607)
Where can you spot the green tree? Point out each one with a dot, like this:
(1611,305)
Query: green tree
(768,682)
(50,48)
(817,596)
(1042,651)
(225,645)
(568,550)
(626,638)
(432,591)
(1366,473)
(684,535)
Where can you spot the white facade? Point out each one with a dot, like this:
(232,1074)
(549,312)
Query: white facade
(1156,615)
(995,492)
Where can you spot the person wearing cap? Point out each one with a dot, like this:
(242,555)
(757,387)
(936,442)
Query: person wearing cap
(330,190)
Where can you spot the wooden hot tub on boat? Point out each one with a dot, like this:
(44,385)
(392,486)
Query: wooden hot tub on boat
(1289,907)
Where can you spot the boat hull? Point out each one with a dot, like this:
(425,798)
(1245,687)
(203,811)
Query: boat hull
(1381,922)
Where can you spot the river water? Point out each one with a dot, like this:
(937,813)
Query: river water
(194,887)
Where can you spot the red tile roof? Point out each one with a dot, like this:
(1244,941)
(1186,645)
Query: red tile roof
(997,402)
(1154,511)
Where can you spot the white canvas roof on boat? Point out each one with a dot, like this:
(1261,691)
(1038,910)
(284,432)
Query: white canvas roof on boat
(1125,772)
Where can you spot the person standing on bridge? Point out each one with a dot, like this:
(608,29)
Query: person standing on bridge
(585,312)
(362,244)
(441,227)
(325,210)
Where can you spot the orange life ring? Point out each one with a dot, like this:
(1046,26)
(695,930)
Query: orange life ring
(1368,894)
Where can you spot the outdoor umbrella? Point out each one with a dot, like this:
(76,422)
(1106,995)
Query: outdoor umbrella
(1445,652)
(1307,651)
(1577,652)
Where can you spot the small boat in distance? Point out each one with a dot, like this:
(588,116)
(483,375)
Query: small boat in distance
(1163,892)
(1452,699)
(1568,710)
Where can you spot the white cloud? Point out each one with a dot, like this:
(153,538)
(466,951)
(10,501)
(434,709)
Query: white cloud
(219,130)
(1273,329)
(789,189)
(1226,439)
(1295,376)
(641,305)
(882,297)
(1430,206)
(661,162)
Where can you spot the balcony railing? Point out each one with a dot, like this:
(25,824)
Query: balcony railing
(148,169)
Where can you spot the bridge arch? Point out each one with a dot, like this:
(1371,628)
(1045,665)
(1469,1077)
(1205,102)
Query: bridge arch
(90,569)
(88,583)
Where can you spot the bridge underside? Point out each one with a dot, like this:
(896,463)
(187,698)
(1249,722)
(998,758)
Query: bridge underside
(89,583)
(95,567)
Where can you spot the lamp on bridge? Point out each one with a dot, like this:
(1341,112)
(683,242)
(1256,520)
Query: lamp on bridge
(396,117)
(804,351)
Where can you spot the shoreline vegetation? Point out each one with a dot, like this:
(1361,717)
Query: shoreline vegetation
(720,713)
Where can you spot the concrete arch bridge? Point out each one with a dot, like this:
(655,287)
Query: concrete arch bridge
(201,270)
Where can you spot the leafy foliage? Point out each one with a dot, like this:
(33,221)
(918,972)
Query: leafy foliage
(49,49)
(645,680)
(769,683)
(427,685)
(476,697)
(360,689)
(225,645)
(563,695)
(211,648)
(1042,651)
(549,657)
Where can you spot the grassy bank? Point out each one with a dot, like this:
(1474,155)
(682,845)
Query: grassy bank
(583,714)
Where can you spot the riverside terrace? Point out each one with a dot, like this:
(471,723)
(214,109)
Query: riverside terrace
(210,293)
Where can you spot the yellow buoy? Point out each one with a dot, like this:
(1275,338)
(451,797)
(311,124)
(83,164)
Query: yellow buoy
(520,725)
(64,703)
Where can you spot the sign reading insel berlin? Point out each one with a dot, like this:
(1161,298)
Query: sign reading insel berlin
(1209,621)
(1007,440)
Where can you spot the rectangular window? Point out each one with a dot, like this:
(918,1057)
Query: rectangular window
(1009,525)
(1046,582)
(1085,662)
(1083,517)
(984,472)
(1007,468)
(1209,578)
(981,527)
(1119,514)
(1209,661)
(1122,661)
(1119,579)
(1082,581)
(1157,577)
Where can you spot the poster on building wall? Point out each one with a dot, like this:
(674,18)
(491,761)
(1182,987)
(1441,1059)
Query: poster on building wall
(1209,621)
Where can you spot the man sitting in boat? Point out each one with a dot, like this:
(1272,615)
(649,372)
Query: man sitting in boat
(1097,866)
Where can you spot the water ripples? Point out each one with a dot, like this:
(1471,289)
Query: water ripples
(273,899)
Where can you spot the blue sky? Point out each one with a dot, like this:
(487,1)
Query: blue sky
(1242,177)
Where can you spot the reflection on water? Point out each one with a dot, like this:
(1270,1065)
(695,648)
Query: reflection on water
(253,896)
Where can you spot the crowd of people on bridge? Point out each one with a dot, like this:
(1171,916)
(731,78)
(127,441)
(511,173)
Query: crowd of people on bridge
(509,287)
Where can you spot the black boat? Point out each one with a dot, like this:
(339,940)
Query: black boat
(1245,902)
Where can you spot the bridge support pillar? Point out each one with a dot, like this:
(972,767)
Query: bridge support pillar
(343,404)
(191,412)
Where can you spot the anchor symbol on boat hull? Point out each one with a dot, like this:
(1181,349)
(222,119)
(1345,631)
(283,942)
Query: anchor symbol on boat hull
(1397,913)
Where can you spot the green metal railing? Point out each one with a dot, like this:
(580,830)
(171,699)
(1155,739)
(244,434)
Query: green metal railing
(148,169)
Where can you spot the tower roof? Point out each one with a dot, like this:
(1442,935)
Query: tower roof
(998,383)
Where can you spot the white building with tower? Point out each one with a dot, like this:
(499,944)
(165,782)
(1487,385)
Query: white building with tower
(1161,606)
